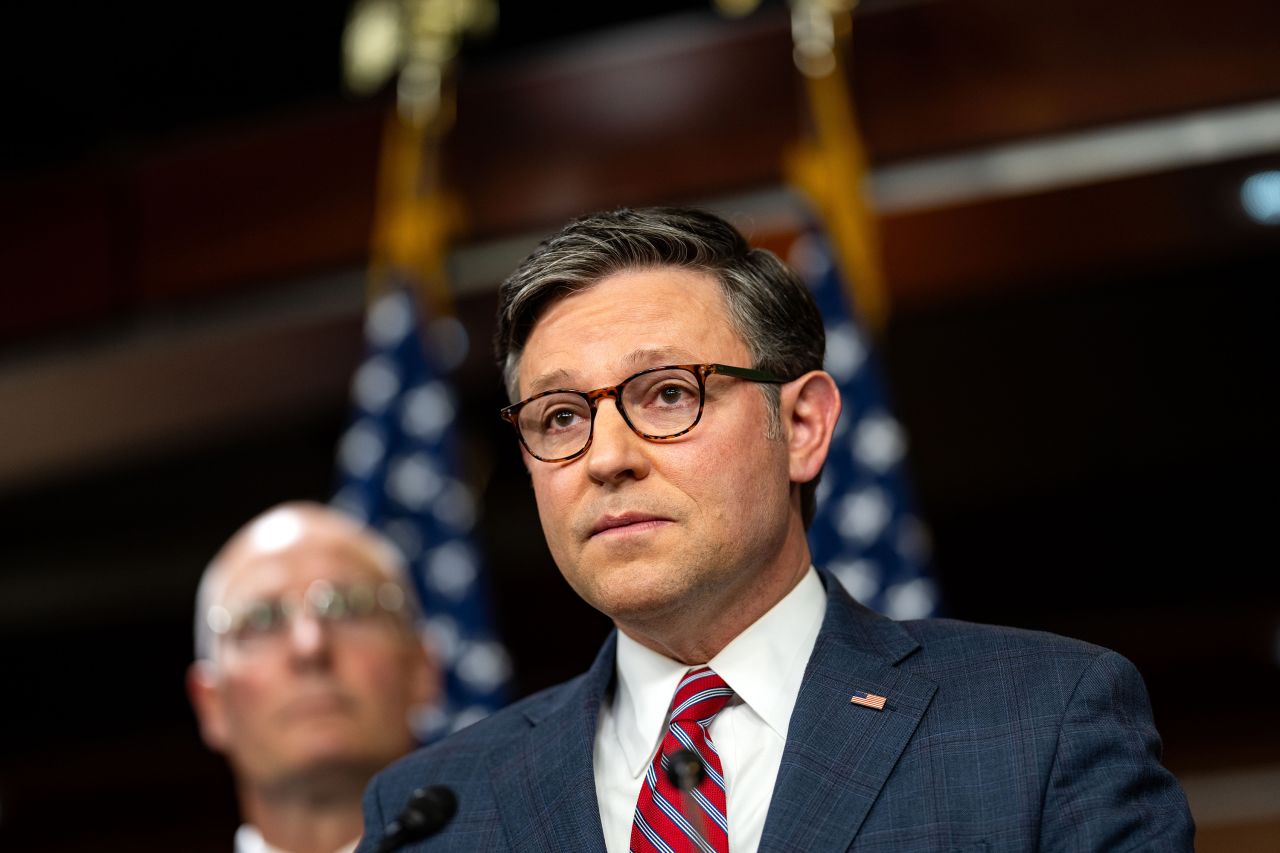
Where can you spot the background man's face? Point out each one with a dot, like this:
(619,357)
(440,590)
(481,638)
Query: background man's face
(710,508)
(320,698)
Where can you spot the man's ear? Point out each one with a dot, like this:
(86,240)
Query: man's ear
(206,700)
(809,410)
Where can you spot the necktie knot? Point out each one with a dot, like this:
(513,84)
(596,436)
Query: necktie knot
(701,695)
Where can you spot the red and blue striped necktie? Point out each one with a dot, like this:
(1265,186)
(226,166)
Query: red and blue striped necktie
(667,820)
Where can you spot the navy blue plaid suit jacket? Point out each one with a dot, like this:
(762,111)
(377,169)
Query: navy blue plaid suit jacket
(992,739)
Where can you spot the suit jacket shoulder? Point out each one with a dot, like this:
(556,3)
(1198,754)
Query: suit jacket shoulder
(990,739)
(522,776)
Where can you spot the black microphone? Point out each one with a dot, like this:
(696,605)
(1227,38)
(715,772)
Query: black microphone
(428,811)
(686,771)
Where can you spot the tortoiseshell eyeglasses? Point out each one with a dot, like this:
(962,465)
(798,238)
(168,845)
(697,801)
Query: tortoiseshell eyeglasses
(658,404)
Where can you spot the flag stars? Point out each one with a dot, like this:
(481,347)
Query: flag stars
(863,515)
(398,462)
(427,411)
(451,569)
(864,530)
(484,665)
(361,449)
(389,320)
(375,384)
(414,480)
(914,599)
(845,351)
(860,577)
(879,442)
(868,700)
(444,636)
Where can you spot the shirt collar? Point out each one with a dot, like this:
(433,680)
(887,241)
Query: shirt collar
(764,665)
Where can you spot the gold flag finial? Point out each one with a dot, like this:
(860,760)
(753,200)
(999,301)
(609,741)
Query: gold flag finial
(830,167)
(415,217)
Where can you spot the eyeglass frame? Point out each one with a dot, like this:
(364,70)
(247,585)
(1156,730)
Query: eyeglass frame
(227,623)
(511,413)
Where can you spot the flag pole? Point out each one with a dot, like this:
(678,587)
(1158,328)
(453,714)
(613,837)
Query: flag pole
(400,462)
(830,166)
(415,216)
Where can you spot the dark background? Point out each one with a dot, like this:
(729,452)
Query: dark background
(1084,372)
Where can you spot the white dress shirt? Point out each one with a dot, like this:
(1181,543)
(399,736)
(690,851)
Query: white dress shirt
(249,840)
(764,665)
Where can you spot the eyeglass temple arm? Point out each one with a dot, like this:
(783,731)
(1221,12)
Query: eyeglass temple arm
(747,373)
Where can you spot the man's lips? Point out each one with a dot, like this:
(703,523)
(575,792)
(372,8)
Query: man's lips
(317,705)
(627,522)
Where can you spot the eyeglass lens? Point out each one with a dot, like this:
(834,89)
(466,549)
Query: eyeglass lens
(265,620)
(658,404)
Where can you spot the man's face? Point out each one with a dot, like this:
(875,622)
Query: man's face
(645,531)
(315,696)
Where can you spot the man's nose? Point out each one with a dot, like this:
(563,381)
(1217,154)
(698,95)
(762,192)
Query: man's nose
(616,452)
(309,640)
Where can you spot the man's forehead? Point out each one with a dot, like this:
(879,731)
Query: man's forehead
(572,376)
(271,564)
(628,321)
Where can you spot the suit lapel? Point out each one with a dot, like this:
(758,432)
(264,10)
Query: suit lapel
(839,755)
(543,782)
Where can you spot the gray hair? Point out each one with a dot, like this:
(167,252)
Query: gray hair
(382,552)
(769,306)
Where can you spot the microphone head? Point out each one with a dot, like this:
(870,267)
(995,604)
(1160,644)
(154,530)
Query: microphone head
(428,810)
(685,769)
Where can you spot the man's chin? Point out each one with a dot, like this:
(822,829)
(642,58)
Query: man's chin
(321,740)
(636,595)
(328,774)
(338,741)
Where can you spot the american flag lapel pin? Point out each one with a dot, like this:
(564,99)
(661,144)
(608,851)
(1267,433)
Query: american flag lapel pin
(868,700)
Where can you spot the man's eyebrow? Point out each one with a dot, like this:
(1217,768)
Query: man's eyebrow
(657,356)
(558,378)
(635,360)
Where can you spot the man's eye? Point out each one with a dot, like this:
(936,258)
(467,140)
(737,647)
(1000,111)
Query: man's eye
(559,419)
(261,618)
(671,394)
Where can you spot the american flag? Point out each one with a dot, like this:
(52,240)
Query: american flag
(868,700)
(397,469)
(866,531)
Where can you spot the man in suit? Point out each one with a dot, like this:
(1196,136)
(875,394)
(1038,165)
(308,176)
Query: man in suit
(674,480)
(308,670)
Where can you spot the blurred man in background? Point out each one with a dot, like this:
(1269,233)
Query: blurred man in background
(308,670)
